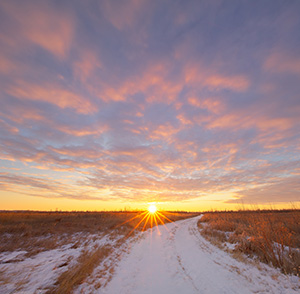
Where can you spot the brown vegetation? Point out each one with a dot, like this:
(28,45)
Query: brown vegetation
(40,231)
(35,232)
(272,236)
(73,277)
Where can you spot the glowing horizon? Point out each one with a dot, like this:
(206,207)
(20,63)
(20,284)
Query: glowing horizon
(109,105)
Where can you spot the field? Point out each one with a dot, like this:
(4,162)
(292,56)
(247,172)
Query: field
(54,252)
(97,252)
(273,237)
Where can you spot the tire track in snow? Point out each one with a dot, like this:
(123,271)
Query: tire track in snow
(181,269)
(180,260)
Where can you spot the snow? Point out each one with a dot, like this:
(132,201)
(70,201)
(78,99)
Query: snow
(38,273)
(179,260)
(230,246)
(169,259)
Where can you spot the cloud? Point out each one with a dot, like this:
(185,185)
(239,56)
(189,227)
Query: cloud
(122,15)
(86,65)
(286,190)
(39,23)
(43,187)
(149,101)
(53,94)
(199,75)
(235,83)
(282,63)
(6,65)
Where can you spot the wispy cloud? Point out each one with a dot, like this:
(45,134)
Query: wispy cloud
(39,23)
(150,101)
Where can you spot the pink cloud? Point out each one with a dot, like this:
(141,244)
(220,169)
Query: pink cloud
(42,24)
(82,131)
(158,85)
(240,120)
(53,94)
(198,75)
(281,190)
(86,65)
(122,14)
(153,82)
(165,132)
(8,127)
(213,104)
(6,65)
(184,120)
(236,83)
(282,63)
(78,152)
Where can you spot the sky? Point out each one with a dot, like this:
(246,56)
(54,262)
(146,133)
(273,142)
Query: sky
(192,105)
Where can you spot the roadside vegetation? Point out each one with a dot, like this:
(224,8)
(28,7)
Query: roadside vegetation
(37,232)
(40,231)
(271,236)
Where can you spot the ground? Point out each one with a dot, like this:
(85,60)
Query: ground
(173,258)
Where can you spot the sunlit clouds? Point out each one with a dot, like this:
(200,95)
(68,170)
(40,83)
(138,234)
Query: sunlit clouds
(150,102)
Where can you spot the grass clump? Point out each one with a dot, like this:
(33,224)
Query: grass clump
(272,236)
(76,275)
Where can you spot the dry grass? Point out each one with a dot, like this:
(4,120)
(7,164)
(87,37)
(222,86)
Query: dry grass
(87,261)
(272,236)
(40,231)
(35,232)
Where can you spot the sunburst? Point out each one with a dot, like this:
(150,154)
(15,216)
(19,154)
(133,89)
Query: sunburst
(151,217)
(152,209)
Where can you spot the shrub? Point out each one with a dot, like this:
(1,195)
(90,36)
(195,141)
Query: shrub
(272,236)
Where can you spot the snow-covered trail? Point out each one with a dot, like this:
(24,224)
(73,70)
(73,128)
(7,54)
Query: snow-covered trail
(177,259)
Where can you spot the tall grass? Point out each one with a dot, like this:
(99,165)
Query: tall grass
(39,231)
(272,236)
(76,275)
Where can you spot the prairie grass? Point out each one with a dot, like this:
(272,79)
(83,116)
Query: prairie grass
(272,236)
(35,232)
(73,277)
(40,231)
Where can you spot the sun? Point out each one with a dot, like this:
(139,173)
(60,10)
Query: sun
(152,209)
(149,218)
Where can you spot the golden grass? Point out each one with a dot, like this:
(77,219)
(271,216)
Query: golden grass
(272,236)
(73,277)
(40,231)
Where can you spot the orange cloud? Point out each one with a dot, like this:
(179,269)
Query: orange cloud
(52,94)
(164,132)
(156,83)
(153,82)
(198,75)
(241,120)
(234,83)
(212,104)
(82,131)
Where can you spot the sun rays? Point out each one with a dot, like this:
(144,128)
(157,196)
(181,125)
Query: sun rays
(149,218)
